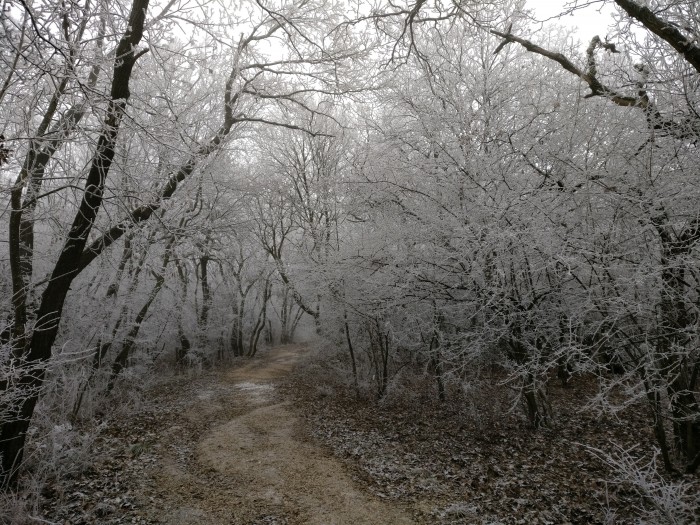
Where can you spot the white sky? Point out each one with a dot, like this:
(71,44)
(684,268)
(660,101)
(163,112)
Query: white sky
(587,21)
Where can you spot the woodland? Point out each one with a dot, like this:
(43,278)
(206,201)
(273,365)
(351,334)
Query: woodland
(452,196)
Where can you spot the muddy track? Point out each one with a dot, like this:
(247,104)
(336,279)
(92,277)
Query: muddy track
(255,464)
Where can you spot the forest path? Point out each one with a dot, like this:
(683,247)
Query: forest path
(254,465)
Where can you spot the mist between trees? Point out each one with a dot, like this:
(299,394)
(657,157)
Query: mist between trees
(452,188)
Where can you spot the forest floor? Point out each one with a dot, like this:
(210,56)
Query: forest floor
(270,441)
(221,448)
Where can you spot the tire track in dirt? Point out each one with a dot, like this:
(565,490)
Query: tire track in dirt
(255,466)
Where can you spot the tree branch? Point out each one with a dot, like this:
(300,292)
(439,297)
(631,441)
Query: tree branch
(664,30)
(680,130)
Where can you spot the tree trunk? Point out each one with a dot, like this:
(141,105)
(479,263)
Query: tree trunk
(206,292)
(113,288)
(352,354)
(535,402)
(122,359)
(436,365)
(654,400)
(379,355)
(237,328)
(97,358)
(262,319)
(34,362)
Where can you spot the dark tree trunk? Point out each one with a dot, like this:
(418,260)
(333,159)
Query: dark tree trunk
(262,320)
(113,288)
(33,364)
(122,359)
(379,355)
(97,358)
(676,322)
(206,291)
(237,328)
(352,354)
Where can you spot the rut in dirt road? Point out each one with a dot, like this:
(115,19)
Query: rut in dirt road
(256,466)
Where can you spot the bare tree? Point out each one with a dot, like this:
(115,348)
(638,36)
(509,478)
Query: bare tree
(257,90)
(31,356)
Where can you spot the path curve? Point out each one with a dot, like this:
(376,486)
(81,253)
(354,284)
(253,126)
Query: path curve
(255,466)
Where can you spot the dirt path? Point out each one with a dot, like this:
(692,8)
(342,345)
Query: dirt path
(254,465)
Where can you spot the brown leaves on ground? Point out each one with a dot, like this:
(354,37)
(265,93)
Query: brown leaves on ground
(252,444)
(460,463)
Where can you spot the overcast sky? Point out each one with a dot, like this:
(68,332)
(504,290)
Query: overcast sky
(588,21)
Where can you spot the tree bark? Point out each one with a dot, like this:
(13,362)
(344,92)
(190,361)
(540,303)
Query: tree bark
(34,363)
(122,359)
(352,354)
(685,45)
(262,319)
(206,292)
